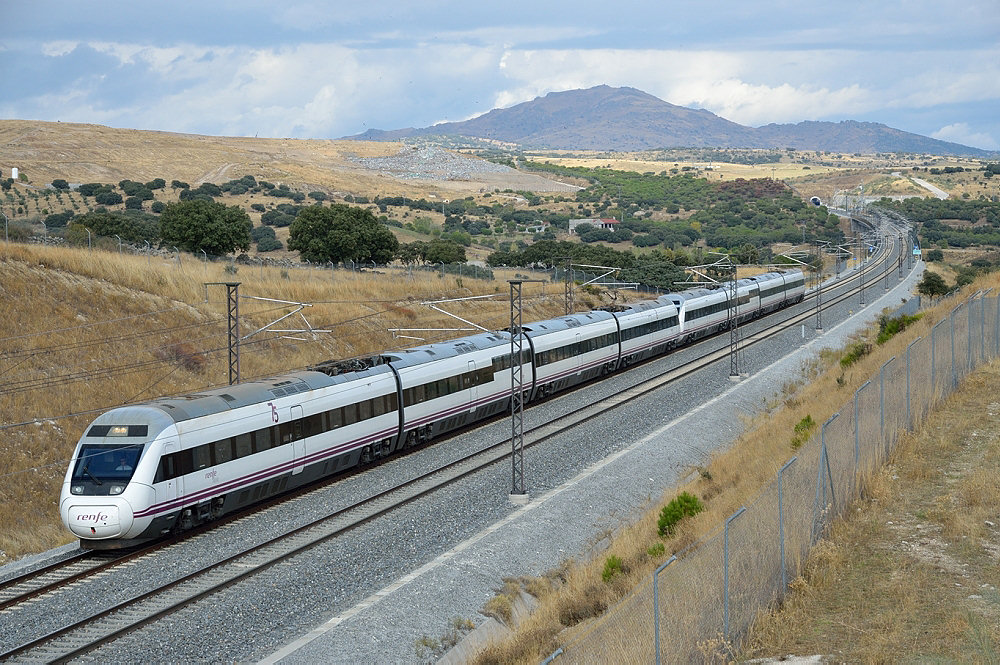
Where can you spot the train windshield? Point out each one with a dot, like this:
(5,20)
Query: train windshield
(104,469)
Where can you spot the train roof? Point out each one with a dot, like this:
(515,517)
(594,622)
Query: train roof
(219,400)
(449,349)
(644,306)
(565,322)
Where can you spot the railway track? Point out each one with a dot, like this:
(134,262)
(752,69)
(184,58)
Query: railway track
(107,625)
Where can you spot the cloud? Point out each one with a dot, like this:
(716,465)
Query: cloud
(960,132)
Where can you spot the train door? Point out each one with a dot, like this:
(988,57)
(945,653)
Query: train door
(298,443)
(168,490)
(473,388)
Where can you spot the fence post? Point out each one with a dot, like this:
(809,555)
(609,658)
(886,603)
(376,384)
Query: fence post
(881,398)
(857,428)
(821,480)
(954,375)
(968,350)
(909,421)
(781,524)
(725,556)
(982,325)
(656,607)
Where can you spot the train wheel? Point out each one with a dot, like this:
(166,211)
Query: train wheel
(186,520)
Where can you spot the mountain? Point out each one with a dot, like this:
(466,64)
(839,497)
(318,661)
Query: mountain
(626,119)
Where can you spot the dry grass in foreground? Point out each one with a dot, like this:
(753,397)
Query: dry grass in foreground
(574,596)
(84,331)
(912,574)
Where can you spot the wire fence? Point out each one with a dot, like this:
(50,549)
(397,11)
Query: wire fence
(701,603)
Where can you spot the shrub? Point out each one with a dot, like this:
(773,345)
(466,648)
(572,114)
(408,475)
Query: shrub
(854,353)
(612,567)
(269,245)
(802,430)
(889,328)
(683,505)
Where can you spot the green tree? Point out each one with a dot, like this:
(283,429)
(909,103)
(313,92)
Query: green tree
(59,183)
(341,233)
(445,251)
(932,285)
(935,255)
(205,225)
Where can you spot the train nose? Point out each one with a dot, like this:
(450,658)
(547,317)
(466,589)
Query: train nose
(96,521)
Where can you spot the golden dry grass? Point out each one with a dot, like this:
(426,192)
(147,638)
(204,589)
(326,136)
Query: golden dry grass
(90,330)
(78,153)
(911,574)
(730,480)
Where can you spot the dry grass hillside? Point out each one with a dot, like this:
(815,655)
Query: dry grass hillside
(79,153)
(85,331)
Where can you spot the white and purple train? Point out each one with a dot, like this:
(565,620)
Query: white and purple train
(140,472)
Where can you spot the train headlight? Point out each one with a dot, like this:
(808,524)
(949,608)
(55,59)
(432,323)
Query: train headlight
(76,489)
(116,489)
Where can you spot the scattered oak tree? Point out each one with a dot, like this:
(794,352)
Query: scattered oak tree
(932,285)
(200,225)
(341,233)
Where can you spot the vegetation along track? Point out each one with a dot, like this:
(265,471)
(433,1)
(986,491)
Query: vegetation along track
(106,625)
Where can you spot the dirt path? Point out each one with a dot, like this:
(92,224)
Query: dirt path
(215,175)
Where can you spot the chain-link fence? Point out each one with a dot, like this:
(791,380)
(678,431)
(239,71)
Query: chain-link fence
(703,600)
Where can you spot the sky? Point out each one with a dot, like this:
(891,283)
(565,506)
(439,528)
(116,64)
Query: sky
(311,69)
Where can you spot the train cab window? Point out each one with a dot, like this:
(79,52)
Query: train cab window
(223,451)
(202,457)
(243,445)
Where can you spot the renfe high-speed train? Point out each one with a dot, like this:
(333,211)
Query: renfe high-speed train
(142,471)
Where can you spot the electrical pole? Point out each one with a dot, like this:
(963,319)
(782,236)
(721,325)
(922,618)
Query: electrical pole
(518,492)
(233,301)
(861,267)
(819,287)
(734,335)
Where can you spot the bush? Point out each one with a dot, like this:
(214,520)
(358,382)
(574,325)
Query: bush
(269,245)
(802,430)
(259,207)
(108,198)
(854,353)
(681,506)
(59,183)
(58,219)
(889,328)
(158,207)
(612,567)
(133,203)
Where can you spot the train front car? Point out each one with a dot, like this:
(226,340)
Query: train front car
(110,477)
